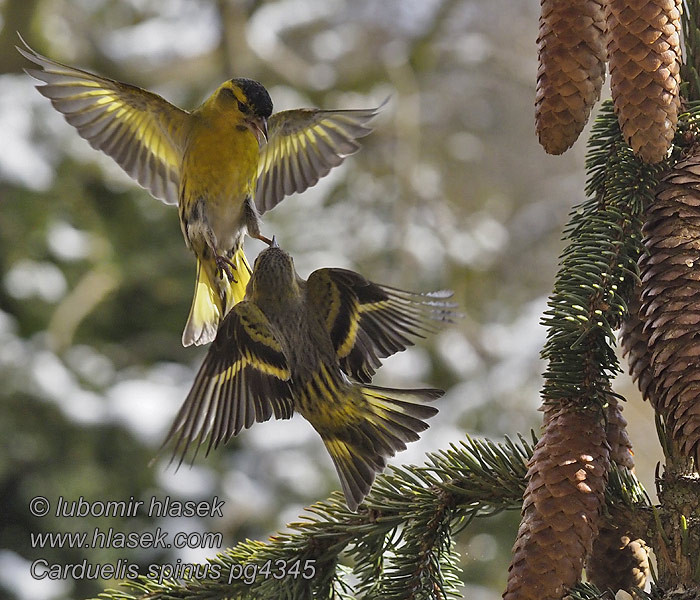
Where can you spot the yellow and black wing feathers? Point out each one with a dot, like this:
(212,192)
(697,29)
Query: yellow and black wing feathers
(367,322)
(386,420)
(141,131)
(244,379)
(303,146)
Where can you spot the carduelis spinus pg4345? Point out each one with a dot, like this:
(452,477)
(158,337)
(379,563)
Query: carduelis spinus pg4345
(312,347)
(223,163)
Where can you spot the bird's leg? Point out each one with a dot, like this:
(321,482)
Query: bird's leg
(224,265)
(252,223)
(262,238)
(196,227)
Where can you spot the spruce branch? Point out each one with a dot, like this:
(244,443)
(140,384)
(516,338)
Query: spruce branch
(401,541)
(564,500)
(598,269)
(625,491)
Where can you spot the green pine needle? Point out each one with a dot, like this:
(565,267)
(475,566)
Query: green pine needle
(598,269)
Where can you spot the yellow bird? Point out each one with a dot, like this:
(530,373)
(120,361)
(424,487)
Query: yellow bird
(294,345)
(224,163)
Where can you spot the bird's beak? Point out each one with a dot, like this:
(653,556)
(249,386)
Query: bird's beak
(273,243)
(258,125)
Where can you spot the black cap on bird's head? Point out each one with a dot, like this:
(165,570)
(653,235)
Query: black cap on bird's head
(257,106)
(256,95)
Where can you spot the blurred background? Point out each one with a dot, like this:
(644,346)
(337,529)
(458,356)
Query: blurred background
(450,191)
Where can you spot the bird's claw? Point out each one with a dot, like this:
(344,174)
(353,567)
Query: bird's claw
(224,265)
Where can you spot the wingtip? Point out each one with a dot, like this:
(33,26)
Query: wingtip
(30,54)
(437,393)
(382,104)
(439,294)
(428,395)
(27,51)
(21,39)
(24,53)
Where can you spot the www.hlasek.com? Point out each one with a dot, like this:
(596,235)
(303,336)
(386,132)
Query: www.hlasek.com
(158,539)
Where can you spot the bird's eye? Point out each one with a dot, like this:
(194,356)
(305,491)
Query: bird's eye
(244,108)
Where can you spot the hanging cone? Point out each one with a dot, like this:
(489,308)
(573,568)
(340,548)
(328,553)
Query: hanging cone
(567,475)
(634,340)
(619,560)
(670,272)
(571,50)
(618,440)
(645,60)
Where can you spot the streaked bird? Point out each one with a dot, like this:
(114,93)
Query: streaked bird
(224,163)
(312,347)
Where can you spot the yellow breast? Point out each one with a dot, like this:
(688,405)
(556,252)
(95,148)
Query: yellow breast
(221,160)
(219,172)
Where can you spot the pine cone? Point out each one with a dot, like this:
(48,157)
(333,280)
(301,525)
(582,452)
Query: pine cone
(571,49)
(618,561)
(634,340)
(618,440)
(567,475)
(645,59)
(671,302)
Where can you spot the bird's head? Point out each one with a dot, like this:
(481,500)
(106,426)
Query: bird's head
(250,100)
(274,275)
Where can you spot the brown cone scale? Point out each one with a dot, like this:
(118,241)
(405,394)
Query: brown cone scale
(619,560)
(634,340)
(670,309)
(567,475)
(618,440)
(571,51)
(644,60)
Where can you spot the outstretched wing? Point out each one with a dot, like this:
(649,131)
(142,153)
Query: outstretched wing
(140,130)
(303,146)
(243,380)
(367,322)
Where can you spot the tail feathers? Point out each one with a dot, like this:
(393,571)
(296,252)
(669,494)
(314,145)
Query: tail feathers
(359,450)
(356,469)
(214,296)
(243,273)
